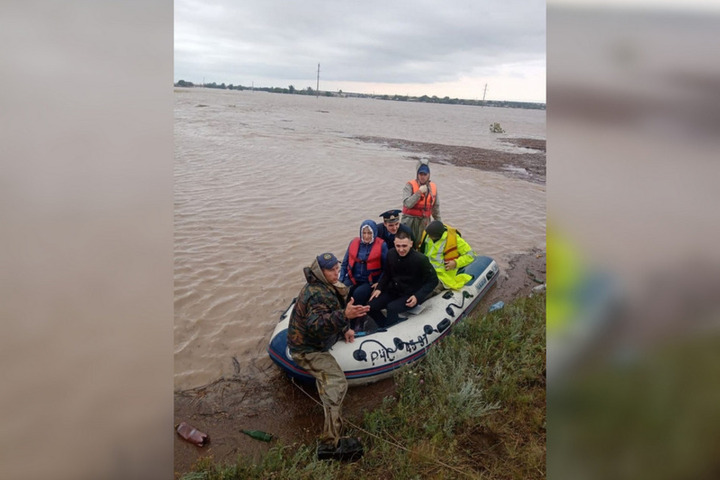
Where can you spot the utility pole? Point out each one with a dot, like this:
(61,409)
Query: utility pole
(317,87)
(484,92)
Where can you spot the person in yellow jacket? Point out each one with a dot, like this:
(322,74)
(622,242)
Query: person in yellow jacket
(448,252)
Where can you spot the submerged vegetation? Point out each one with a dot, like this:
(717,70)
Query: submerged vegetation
(473,408)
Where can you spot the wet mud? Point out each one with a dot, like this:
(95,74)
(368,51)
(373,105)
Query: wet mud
(528,165)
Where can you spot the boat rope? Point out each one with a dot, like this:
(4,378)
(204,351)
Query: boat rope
(465,294)
(394,444)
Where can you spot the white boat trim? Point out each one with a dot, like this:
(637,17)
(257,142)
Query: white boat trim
(375,356)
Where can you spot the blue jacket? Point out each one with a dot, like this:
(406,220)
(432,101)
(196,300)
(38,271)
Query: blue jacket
(390,237)
(359,270)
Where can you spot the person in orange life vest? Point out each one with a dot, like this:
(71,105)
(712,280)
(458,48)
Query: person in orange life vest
(420,202)
(363,263)
(447,252)
(390,226)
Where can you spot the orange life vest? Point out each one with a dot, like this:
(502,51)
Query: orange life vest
(373,262)
(424,206)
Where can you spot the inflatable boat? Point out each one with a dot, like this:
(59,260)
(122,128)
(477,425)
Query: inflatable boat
(375,354)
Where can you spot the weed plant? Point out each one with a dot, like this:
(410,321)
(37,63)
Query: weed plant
(473,408)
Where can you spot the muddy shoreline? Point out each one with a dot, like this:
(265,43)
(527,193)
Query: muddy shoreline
(528,165)
(270,402)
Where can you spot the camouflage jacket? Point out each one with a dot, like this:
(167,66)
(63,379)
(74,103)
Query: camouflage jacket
(318,319)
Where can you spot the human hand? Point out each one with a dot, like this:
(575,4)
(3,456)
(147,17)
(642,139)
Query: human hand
(450,265)
(350,336)
(375,294)
(423,189)
(411,302)
(355,311)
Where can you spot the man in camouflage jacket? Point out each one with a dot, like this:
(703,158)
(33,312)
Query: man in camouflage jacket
(320,317)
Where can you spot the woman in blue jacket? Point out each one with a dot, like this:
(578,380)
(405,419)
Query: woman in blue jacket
(363,262)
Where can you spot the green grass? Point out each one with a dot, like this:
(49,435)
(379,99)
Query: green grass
(473,408)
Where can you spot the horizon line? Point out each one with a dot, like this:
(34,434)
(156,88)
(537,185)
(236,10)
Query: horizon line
(344,92)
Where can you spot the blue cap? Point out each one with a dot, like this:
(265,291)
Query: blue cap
(424,169)
(391,216)
(327,260)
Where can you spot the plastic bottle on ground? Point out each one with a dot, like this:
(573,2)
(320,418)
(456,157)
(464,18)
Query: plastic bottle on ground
(191,434)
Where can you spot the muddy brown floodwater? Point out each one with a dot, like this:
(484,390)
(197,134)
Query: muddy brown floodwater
(249,168)
(273,403)
(258,174)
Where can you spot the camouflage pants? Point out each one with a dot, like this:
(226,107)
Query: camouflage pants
(331,386)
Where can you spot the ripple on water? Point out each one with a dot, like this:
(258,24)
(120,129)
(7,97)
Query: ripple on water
(255,202)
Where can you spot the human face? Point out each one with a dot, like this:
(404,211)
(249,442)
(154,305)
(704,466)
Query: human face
(392,227)
(367,235)
(423,178)
(332,275)
(402,246)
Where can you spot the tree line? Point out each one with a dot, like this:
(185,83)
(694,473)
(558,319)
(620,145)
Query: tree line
(399,98)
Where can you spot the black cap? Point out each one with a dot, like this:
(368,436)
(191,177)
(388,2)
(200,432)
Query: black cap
(391,216)
(435,229)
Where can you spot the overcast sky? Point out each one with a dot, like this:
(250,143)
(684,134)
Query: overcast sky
(406,47)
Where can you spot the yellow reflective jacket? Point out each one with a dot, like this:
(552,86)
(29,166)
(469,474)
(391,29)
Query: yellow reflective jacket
(450,246)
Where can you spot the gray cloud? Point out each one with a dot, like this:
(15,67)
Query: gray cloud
(370,41)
